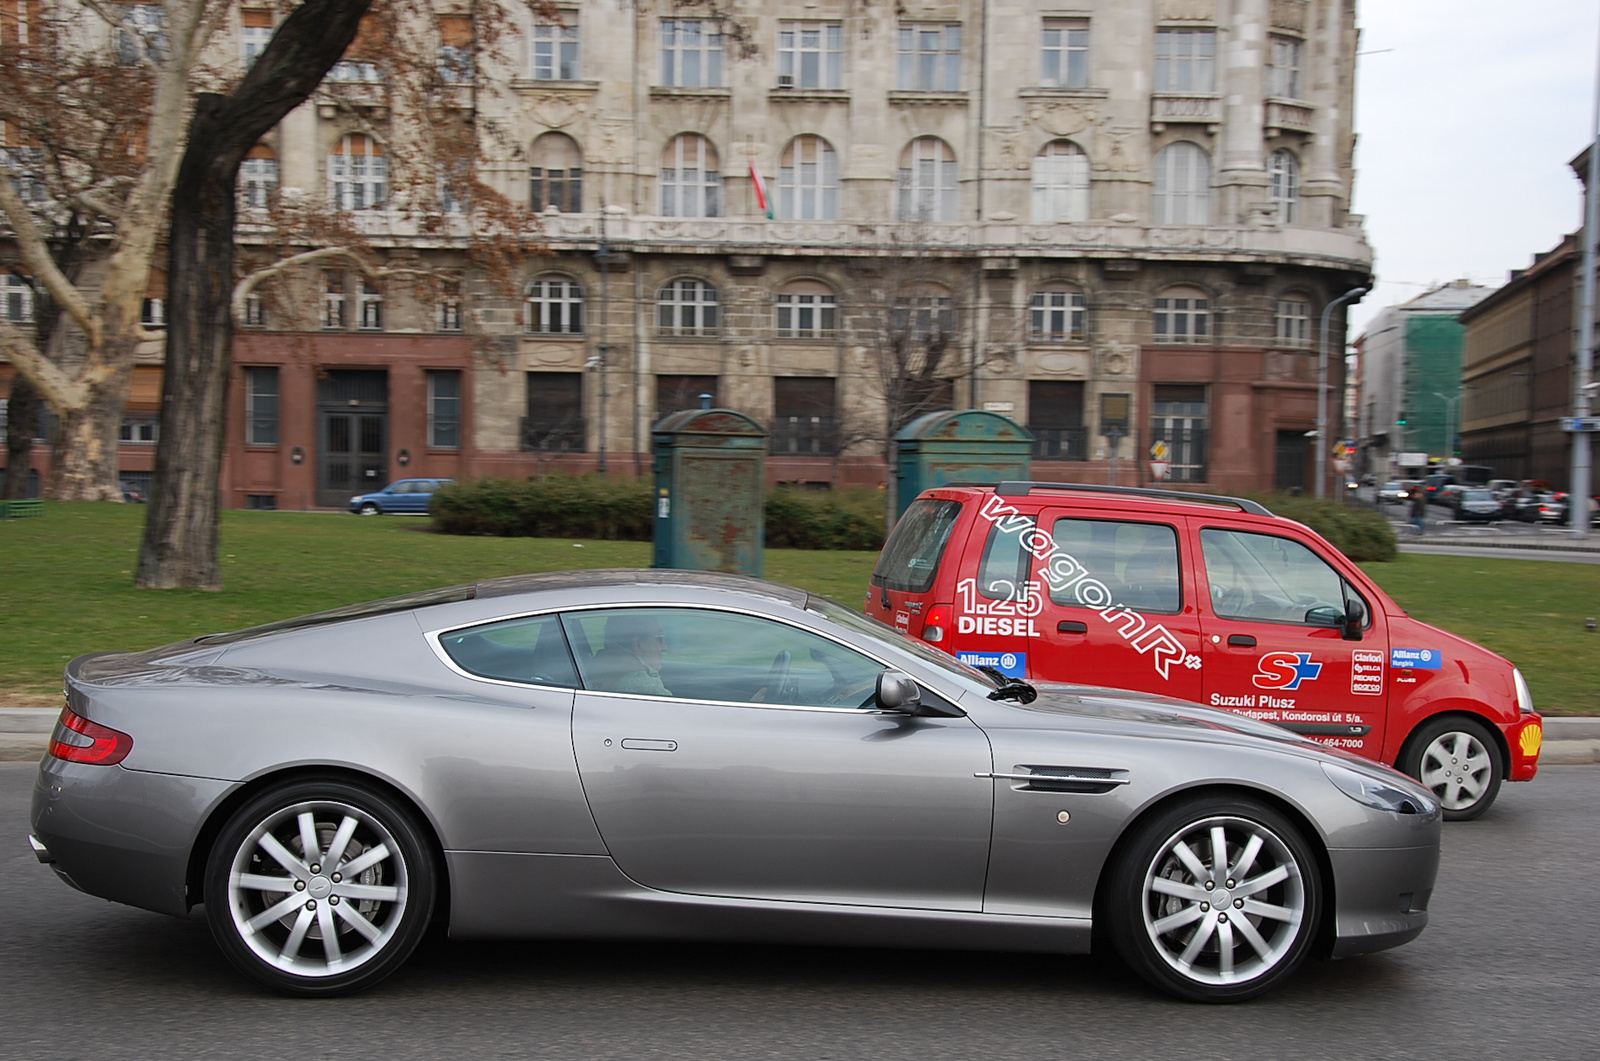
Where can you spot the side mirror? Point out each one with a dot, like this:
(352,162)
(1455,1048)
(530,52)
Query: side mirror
(898,691)
(1354,615)
(1325,615)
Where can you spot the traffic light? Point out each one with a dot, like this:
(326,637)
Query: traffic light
(1400,420)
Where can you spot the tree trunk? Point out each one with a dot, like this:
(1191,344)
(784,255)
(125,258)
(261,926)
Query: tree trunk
(22,423)
(84,466)
(180,537)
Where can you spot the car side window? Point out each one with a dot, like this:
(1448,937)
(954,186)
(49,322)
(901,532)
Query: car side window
(1269,579)
(400,488)
(1137,562)
(695,654)
(531,651)
(1004,564)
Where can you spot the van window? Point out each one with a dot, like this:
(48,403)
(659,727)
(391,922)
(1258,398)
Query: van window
(1137,562)
(1004,565)
(1270,579)
(910,558)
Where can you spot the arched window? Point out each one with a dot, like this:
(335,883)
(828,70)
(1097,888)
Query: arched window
(806,309)
(1183,185)
(808,180)
(687,307)
(924,312)
(1056,313)
(358,173)
(556,176)
(258,177)
(1291,316)
(555,306)
(1183,315)
(691,178)
(1283,189)
(928,190)
(1060,183)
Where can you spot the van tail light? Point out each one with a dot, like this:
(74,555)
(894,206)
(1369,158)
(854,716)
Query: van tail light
(77,740)
(936,624)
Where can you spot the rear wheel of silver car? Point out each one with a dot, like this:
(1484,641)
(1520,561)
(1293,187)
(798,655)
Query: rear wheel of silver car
(1215,900)
(319,888)
(1457,760)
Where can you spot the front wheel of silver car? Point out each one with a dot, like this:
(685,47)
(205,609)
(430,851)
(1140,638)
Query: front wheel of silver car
(319,888)
(1458,761)
(1216,899)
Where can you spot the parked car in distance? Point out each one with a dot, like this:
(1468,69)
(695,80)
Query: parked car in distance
(1450,496)
(402,495)
(131,494)
(1393,492)
(1210,599)
(1475,504)
(1434,483)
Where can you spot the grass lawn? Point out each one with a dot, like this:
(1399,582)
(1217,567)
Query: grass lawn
(66,587)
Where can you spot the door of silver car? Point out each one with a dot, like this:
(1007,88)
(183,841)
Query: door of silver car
(729,754)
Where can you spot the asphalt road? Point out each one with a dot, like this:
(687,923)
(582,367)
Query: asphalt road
(1507,969)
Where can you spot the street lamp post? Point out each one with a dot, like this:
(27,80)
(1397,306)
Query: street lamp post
(1322,388)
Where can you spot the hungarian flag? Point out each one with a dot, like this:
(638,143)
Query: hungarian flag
(760,186)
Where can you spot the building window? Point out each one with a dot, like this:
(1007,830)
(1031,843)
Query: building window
(929,59)
(444,409)
(927,182)
(1183,315)
(1185,60)
(555,306)
(332,302)
(261,406)
(925,313)
(370,306)
(1178,418)
(26,164)
(450,305)
(1292,317)
(808,180)
(1283,73)
(803,417)
(687,307)
(677,393)
(137,431)
(1057,314)
(555,49)
(691,53)
(142,37)
(1183,185)
(455,49)
(1064,54)
(1060,183)
(1283,189)
(556,177)
(255,314)
(16,299)
(691,178)
(554,423)
(153,313)
(258,178)
(255,30)
(806,310)
(359,173)
(1055,419)
(810,55)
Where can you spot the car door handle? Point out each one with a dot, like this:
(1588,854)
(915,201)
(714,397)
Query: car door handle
(1071,626)
(1241,641)
(635,744)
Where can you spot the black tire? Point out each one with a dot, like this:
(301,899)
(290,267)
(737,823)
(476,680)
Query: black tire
(369,509)
(387,901)
(1459,761)
(1282,915)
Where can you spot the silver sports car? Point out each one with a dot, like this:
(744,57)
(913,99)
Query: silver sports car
(669,755)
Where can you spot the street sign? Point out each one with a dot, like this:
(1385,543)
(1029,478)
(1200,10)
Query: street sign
(1580,423)
(1412,460)
(1159,452)
(1158,470)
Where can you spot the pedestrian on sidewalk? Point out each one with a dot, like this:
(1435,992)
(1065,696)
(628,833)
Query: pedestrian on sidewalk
(1419,510)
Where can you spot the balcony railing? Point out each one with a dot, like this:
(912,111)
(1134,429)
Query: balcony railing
(538,434)
(1060,443)
(804,436)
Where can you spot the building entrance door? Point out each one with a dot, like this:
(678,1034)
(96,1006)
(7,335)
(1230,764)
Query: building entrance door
(1294,453)
(352,435)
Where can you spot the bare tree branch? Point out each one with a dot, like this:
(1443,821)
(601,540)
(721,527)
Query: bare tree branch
(37,255)
(45,375)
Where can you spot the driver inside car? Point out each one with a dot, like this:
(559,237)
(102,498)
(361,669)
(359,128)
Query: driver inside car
(631,660)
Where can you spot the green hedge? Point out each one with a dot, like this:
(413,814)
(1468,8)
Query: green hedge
(1359,532)
(599,507)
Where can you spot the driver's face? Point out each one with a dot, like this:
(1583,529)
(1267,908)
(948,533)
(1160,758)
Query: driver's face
(651,648)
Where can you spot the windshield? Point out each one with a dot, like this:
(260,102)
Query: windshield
(886,635)
(1479,495)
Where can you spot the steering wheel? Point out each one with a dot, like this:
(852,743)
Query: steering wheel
(778,677)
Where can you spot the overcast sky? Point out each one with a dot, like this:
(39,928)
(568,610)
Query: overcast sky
(1468,112)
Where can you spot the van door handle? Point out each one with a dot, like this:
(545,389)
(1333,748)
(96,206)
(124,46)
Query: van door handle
(1241,641)
(1071,626)
(635,744)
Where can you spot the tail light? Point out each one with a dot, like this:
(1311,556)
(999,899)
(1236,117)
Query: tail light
(77,740)
(936,623)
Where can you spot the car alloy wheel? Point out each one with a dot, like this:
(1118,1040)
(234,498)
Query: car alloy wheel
(1457,760)
(1216,900)
(368,509)
(319,888)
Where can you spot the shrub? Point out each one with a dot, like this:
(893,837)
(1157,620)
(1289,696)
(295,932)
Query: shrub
(1358,532)
(816,519)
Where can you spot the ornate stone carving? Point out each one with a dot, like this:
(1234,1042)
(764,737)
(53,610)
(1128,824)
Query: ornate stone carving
(1007,150)
(610,142)
(554,110)
(1188,11)
(1112,153)
(1117,358)
(1062,117)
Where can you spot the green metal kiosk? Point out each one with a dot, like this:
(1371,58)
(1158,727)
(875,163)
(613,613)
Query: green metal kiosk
(971,446)
(711,468)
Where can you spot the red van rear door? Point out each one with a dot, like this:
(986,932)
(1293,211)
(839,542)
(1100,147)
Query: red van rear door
(908,568)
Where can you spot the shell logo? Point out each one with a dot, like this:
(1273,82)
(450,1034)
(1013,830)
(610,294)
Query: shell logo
(1531,740)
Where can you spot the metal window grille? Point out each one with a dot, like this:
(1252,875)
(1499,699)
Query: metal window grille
(811,54)
(1183,320)
(806,315)
(808,180)
(444,409)
(928,182)
(687,307)
(1283,75)
(929,58)
(690,178)
(555,422)
(555,52)
(261,406)
(555,307)
(1185,60)
(1064,55)
(1182,194)
(1178,418)
(1057,316)
(1060,183)
(691,53)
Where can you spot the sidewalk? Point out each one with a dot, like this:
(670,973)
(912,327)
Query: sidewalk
(25,731)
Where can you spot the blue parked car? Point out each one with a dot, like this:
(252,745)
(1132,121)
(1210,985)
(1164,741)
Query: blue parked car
(402,495)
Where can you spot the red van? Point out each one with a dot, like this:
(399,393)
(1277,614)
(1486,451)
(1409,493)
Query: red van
(1209,599)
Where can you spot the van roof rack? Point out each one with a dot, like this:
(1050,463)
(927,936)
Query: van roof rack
(1023,487)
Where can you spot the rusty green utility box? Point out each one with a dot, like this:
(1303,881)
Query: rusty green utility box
(970,446)
(711,474)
